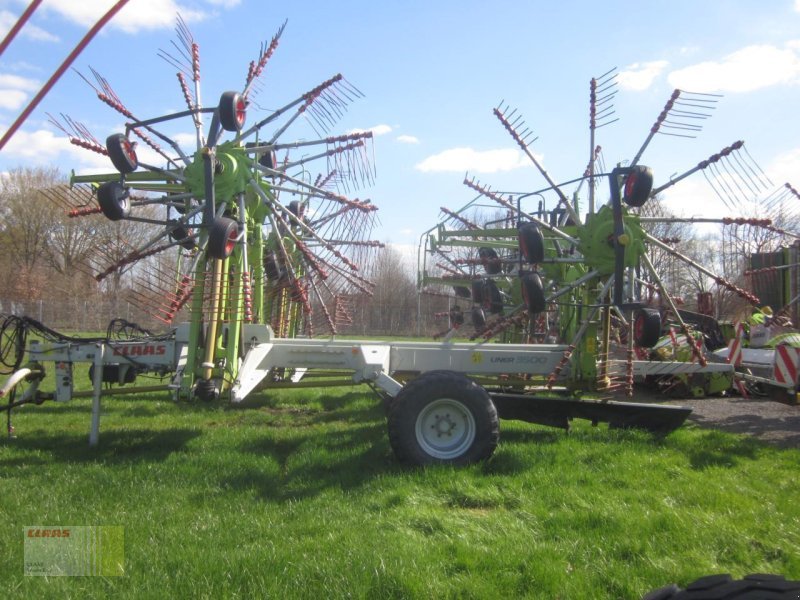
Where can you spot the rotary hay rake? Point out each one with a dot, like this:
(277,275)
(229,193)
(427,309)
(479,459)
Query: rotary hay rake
(240,231)
(605,286)
(260,250)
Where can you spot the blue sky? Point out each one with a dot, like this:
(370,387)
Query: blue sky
(431,72)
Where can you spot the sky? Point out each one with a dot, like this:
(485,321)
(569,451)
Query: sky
(431,72)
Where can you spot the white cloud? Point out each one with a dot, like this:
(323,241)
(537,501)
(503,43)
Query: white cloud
(797,5)
(17,82)
(135,16)
(44,147)
(14,90)
(478,161)
(745,70)
(30,31)
(407,139)
(12,99)
(640,76)
(376,130)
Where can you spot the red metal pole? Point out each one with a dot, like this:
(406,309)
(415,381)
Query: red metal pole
(60,71)
(18,25)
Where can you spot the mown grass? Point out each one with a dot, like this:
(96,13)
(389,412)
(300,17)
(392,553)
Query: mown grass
(299,496)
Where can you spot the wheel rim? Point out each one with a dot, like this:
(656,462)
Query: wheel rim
(629,183)
(445,429)
(638,329)
(127,148)
(241,111)
(230,243)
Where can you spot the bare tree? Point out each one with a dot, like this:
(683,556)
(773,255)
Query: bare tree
(26,226)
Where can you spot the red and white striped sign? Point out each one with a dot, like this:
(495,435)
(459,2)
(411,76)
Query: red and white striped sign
(786,364)
(735,347)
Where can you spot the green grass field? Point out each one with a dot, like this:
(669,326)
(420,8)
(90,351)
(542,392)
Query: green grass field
(299,496)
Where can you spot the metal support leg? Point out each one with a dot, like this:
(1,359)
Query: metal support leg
(97,382)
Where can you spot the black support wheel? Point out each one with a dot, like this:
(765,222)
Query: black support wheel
(531,243)
(490,260)
(443,417)
(114,200)
(646,327)
(492,298)
(478,319)
(183,236)
(232,111)
(122,153)
(725,587)
(533,293)
(638,185)
(461,291)
(476,291)
(222,237)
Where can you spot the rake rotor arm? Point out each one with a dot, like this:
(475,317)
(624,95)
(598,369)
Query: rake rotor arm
(497,198)
(751,298)
(656,126)
(363,206)
(308,98)
(521,143)
(700,166)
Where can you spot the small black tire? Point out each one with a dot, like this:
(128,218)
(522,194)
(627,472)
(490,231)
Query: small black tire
(232,111)
(461,291)
(184,236)
(646,327)
(724,586)
(222,237)
(114,200)
(533,293)
(443,417)
(206,391)
(490,260)
(477,291)
(269,160)
(492,298)
(122,153)
(478,319)
(531,243)
(638,185)
(456,316)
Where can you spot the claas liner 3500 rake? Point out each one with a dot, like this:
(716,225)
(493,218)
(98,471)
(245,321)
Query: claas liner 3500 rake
(254,271)
(523,273)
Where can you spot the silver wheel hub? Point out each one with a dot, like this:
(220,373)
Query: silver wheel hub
(445,428)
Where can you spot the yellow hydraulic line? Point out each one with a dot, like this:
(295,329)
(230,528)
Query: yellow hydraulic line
(213,321)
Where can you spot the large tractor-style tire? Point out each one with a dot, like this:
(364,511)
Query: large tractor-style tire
(114,200)
(443,417)
(725,587)
(638,185)
(646,327)
(222,237)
